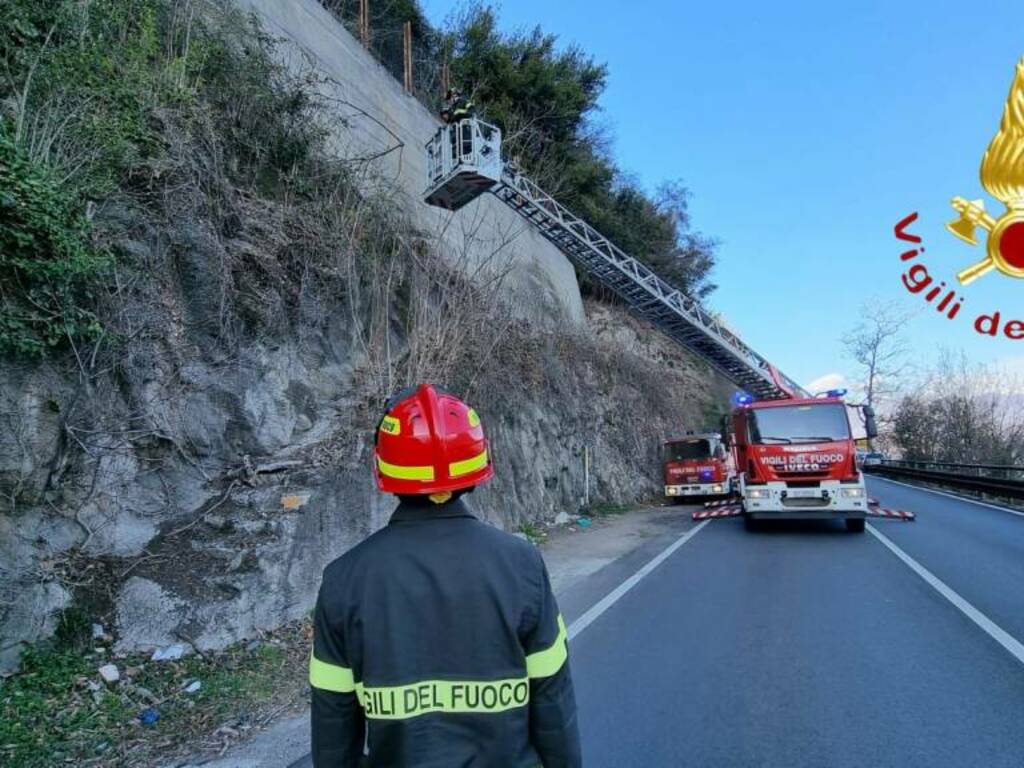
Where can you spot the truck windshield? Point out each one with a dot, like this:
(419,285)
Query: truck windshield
(799,424)
(687,449)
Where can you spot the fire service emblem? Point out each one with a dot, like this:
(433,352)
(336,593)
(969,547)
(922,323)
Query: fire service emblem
(1002,174)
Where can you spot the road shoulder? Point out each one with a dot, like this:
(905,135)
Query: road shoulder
(584,564)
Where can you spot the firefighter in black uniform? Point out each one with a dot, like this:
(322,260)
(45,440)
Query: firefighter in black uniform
(457,107)
(437,640)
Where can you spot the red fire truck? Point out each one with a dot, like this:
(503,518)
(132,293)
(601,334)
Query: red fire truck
(697,465)
(796,459)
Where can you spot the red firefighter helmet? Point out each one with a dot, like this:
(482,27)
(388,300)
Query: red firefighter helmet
(429,442)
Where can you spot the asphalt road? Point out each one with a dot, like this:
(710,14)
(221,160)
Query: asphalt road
(803,645)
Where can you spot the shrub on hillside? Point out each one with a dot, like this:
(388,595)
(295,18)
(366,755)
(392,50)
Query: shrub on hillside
(47,262)
(97,98)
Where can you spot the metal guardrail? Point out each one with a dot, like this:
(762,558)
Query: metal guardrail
(997,470)
(992,479)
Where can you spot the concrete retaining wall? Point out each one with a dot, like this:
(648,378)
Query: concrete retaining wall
(376,115)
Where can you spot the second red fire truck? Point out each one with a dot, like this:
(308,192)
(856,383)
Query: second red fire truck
(697,465)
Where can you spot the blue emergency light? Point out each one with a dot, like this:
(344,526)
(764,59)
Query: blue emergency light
(742,398)
(835,393)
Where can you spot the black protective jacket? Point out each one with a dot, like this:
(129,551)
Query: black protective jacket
(458,109)
(438,644)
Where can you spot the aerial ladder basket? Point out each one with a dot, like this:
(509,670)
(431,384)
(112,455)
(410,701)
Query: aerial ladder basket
(463,162)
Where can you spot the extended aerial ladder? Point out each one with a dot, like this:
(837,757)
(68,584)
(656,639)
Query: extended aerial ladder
(464,161)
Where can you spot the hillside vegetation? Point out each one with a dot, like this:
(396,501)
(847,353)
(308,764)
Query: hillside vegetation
(124,106)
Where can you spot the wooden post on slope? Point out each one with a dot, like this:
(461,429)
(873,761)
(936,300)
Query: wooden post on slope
(407,46)
(364,22)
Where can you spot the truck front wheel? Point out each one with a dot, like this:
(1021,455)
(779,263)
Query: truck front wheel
(855,524)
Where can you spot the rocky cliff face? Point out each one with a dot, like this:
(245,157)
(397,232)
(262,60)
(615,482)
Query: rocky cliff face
(199,498)
(187,478)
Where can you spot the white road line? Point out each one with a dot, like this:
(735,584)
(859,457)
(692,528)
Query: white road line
(992,629)
(950,495)
(616,594)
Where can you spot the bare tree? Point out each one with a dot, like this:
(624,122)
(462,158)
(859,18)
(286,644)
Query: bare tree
(962,412)
(877,345)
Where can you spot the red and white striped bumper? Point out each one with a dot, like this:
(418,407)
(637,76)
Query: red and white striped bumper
(727,509)
(731,508)
(895,514)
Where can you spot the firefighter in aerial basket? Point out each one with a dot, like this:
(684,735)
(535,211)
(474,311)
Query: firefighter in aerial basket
(437,640)
(456,109)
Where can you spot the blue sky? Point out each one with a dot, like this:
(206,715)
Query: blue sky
(805,131)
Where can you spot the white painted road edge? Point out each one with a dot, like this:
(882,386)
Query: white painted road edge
(992,629)
(616,594)
(950,495)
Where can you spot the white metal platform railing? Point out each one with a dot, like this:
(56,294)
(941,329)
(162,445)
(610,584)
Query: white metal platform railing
(463,162)
(457,179)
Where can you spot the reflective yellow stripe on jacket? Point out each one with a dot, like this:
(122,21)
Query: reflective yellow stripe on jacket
(330,677)
(548,662)
(458,696)
(403,701)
